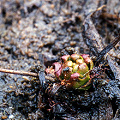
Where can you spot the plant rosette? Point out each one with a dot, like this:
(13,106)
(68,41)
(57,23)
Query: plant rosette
(73,71)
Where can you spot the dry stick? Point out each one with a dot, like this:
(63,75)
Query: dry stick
(19,72)
(24,73)
(110,16)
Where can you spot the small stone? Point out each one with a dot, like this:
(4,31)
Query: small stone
(72,43)
(4,117)
(52,6)
(49,31)
(11,116)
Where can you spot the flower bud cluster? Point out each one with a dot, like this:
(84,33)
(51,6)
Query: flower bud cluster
(73,71)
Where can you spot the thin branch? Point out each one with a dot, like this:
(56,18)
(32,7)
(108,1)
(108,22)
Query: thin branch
(19,72)
(24,73)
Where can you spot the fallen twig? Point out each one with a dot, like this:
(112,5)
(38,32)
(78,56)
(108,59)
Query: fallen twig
(24,73)
(110,16)
(19,72)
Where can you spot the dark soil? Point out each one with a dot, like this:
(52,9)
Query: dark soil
(38,32)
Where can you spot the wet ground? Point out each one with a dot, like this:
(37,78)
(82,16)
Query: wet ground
(33,31)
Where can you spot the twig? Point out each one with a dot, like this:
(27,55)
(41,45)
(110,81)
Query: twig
(19,72)
(24,73)
(110,16)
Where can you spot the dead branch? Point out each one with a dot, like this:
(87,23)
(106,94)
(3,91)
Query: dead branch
(19,72)
(24,73)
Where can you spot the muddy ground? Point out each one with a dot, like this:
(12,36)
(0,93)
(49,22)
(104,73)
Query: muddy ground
(34,32)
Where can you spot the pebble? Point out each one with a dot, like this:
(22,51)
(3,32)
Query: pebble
(4,117)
